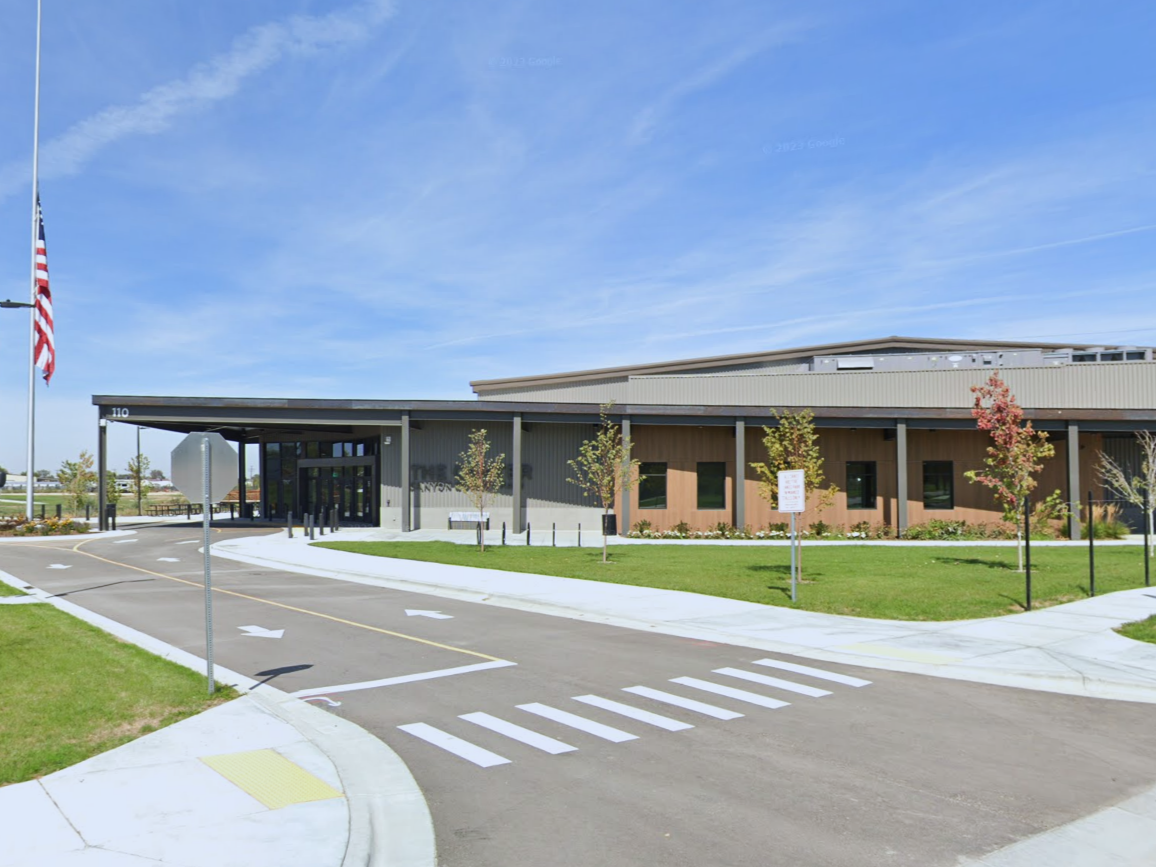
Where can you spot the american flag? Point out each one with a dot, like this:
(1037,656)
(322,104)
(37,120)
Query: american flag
(44,351)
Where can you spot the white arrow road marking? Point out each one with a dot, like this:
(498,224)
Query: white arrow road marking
(189,542)
(328,701)
(168,560)
(261,632)
(59,566)
(436,615)
(125,541)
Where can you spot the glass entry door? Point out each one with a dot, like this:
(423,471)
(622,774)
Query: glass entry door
(348,487)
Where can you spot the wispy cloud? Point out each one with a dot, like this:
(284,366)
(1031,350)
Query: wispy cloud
(212,81)
(648,119)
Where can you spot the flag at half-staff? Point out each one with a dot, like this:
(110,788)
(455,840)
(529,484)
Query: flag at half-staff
(44,346)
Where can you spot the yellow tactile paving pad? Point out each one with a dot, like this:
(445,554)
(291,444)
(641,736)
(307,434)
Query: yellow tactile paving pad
(271,778)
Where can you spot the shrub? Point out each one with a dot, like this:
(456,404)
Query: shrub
(820,528)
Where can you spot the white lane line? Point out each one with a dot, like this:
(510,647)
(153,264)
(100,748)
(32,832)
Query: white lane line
(457,746)
(679,701)
(778,683)
(186,542)
(125,541)
(654,719)
(730,692)
(533,739)
(404,678)
(168,560)
(845,679)
(608,733)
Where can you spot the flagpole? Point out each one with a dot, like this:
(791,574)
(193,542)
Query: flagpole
(31,483)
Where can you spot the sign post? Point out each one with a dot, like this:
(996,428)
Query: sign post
(793,499)
(201,471)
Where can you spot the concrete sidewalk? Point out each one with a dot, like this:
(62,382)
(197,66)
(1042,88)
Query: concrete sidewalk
(1068,648)
(265,779)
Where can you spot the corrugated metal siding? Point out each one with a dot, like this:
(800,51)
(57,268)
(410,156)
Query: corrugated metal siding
(545,449)
(1085,386)
(596,391)
(434,452)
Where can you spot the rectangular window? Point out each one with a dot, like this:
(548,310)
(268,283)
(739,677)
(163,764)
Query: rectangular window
(938,485)
(652,486)
(1134,356)
(1111,356)
(712,485)
(861,490)
(1083,356)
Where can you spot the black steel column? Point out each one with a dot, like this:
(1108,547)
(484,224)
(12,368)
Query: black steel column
(101,463)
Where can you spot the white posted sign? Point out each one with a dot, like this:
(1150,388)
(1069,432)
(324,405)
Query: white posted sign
(792,491)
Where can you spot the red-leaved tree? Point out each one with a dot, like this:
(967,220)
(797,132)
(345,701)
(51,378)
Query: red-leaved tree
(1015,455)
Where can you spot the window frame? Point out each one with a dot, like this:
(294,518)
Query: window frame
(950,476)
(644,476)
(871,485)
(698,477)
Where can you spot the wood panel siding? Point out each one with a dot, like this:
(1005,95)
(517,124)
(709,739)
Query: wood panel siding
(681,448)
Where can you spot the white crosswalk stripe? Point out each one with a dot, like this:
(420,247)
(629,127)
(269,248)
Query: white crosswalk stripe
(779,683)
(450,743)
(844,679)
(530,738)
(679,701)
(730,692)
(654,719)
(589,726)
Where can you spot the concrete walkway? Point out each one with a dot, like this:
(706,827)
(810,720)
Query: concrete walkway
(1068,648)
(265,779)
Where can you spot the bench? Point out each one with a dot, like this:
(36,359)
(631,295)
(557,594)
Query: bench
(469,520)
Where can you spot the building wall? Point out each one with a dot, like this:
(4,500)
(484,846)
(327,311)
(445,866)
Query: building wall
(681,448)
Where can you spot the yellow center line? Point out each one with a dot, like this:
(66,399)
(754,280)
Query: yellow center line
(341,620)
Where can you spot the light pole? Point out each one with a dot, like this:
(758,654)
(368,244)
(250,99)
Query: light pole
(139,474)
(30,483)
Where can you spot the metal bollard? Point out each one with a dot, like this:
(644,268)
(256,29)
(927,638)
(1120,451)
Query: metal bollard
(324,518)
(59,515)
(42,507)
(503,534)
(527,534)
(289,524)
(232,517)
(188,511)
(579,535)
(1091,546)
(554,535)
(88,512)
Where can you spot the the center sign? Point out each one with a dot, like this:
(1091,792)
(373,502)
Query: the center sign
(792,491)
(189,469)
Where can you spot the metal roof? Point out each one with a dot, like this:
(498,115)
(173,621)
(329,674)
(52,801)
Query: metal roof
(916,344)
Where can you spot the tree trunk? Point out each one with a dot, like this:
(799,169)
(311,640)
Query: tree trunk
(481,538)
(604,514)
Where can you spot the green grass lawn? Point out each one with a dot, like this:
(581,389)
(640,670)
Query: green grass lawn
(8,590)
(901,583)
(69,691)
(1141,630)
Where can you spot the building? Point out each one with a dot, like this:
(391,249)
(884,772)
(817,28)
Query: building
(895,417)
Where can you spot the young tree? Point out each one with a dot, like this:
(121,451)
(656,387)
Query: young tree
(480,476)
(603,467)
(138,474)
(1017,452)
(794,445)
(1138,490)
(76,477)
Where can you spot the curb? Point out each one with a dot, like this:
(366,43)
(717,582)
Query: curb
(1075,683)
(389,821)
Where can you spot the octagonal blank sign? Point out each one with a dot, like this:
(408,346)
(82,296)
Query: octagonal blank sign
(189,471)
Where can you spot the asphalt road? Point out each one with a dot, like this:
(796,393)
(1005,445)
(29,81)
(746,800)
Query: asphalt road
(903,770)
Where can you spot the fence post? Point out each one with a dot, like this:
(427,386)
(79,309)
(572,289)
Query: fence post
(1091,546)
(1027,552)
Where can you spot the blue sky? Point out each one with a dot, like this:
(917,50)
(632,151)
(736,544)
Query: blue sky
(388,199)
